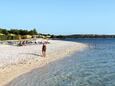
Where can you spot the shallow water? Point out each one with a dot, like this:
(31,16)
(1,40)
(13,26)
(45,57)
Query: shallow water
(95,66)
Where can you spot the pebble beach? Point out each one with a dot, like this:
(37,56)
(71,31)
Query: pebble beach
(17,60)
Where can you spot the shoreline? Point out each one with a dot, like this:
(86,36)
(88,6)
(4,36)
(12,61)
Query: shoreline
(58,50)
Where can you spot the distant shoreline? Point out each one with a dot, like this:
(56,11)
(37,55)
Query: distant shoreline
(84,36)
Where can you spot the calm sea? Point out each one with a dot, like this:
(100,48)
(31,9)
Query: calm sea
(95,66)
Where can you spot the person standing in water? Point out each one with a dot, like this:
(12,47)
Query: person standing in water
(44,50)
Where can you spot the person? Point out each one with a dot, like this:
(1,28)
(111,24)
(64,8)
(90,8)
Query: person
(44,50)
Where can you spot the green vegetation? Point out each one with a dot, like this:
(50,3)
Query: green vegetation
(14,34)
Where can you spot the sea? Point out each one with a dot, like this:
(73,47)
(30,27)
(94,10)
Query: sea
(93,66)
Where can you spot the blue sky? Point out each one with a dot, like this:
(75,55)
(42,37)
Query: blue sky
(59,16)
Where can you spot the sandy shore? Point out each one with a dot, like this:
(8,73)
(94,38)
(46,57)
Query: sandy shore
(15,61)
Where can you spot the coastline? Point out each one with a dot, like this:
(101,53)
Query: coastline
(56,50)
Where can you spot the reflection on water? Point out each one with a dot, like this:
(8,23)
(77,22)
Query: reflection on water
(93,67)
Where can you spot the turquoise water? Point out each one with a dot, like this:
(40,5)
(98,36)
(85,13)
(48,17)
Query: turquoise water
(95,66)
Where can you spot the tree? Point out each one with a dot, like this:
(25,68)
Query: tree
(33,32)
(14,31)
(23,32)
(3,31)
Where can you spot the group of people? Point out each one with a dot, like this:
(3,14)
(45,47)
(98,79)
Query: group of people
(21,43)
(25,42)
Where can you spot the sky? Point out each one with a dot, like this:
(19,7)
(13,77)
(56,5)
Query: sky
(59,16)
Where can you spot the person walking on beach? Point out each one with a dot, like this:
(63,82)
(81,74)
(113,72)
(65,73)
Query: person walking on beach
(44,50)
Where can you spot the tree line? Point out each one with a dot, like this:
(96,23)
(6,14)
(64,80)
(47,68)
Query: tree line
(84,36)
(13,34)
(19,31)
